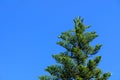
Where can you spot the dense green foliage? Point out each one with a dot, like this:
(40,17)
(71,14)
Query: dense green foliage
(76,62)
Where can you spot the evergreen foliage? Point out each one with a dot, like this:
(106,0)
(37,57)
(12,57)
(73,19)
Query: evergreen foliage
(77,62)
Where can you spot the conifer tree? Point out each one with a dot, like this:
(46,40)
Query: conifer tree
(77,62)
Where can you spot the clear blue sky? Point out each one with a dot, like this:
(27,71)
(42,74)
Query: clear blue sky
(29,30)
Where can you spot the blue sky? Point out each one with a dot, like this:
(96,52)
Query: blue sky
(29,30)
